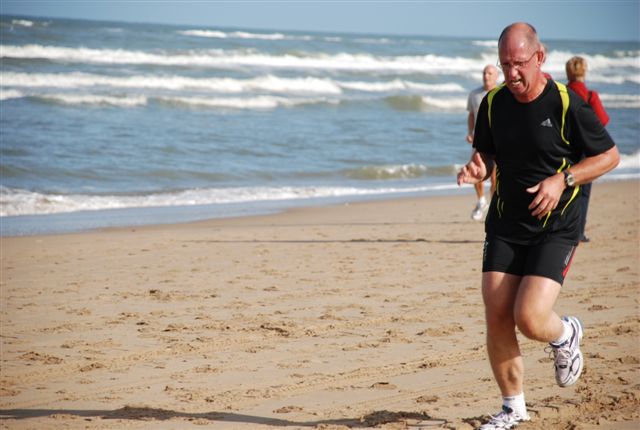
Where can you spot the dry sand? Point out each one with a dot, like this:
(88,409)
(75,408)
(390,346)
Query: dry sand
(355,316)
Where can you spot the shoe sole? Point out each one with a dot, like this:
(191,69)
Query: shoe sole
(577,321)
(510,426)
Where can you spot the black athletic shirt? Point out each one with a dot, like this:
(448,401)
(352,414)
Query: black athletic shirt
(525,139)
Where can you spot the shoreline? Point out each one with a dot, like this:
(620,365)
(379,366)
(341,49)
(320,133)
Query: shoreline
(362,315)
(91,220)
(132,217)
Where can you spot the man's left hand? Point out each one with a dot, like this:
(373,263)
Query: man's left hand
(547,195)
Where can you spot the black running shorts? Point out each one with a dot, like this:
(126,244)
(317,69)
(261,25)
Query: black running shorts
(550,259)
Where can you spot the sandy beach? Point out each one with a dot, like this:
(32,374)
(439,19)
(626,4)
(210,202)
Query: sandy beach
(365,315)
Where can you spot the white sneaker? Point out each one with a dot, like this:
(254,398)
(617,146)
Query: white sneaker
(505,419)
(568,360)
(480,210)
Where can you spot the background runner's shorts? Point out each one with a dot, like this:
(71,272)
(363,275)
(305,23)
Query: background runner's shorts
(550,259)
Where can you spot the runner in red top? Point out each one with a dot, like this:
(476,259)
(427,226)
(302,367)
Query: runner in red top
(576,69)
(576,73)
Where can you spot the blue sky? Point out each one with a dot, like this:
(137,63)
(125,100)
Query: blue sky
(556,19)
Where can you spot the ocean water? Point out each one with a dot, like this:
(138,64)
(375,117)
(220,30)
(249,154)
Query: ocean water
(111,123)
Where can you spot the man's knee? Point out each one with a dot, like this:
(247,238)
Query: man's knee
(528,324)
(499,319)
(534,306)
(531,322)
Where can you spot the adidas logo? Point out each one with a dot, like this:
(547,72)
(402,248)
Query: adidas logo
(546,123)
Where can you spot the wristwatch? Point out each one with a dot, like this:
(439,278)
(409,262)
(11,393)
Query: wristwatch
(569,180)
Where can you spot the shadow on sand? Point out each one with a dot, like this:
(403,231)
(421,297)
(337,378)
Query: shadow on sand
(374,419)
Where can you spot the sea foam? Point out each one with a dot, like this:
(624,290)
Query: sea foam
(15,202)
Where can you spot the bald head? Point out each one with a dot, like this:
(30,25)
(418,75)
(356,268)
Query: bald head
(490,68)
(489,77)
(522,32)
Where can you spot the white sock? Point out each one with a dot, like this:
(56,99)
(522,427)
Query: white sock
(482,200)
(516,404)
(567,331)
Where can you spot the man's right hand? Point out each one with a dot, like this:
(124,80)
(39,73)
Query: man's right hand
(474,171)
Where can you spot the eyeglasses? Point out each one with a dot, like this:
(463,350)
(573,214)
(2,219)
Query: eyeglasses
(517,65)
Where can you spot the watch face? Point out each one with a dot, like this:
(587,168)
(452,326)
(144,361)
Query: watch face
(571,181)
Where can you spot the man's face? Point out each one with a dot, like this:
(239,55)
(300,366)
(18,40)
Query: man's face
(489,77)
(520,65)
